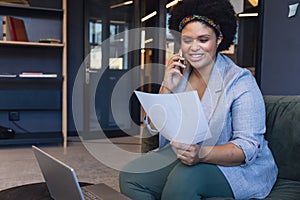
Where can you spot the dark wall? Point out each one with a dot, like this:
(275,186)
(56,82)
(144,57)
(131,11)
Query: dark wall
(279,63)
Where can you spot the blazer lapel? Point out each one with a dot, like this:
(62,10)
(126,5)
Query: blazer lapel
(214,89)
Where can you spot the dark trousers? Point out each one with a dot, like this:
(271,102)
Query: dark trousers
(160,175)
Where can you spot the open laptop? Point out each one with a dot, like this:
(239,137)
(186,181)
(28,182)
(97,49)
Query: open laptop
(62,181)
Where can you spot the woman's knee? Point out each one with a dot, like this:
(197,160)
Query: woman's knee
(194,182)
(138,186)
(124,182)
(178,183)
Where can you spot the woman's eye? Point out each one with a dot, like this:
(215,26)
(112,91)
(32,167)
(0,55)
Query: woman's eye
(203,40)
(187,41)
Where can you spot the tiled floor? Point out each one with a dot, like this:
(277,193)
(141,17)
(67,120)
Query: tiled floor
(18,165)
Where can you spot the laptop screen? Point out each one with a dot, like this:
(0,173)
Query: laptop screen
(61,179)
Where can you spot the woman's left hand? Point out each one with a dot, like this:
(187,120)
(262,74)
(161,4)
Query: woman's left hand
(227,154)
(187,153)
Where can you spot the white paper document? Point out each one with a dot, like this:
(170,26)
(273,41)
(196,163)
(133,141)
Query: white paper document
(178,117)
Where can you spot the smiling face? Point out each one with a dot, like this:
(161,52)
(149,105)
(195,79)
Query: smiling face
(199,45)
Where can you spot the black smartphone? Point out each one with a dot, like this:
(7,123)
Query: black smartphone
(182,61)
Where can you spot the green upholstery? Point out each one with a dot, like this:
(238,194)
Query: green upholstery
(283,135)
(149,142)
(285,189)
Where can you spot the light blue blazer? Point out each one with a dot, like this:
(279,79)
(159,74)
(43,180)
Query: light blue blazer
(235,111)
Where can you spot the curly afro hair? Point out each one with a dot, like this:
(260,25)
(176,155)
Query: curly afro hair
(220,11)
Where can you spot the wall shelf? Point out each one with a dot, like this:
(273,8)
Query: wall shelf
(38,44)
(33,138)
(21,10)
(34,96)
(18,80)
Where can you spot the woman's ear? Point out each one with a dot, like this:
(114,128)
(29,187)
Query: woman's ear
(219,40)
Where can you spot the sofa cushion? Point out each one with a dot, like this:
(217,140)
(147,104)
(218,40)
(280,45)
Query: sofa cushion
(283,133)
(285,189)
(149,142)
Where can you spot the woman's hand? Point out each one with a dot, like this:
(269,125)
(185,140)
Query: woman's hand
(226,154)
(187,153)
(173,74)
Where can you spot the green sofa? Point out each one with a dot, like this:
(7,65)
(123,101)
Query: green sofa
(283,135)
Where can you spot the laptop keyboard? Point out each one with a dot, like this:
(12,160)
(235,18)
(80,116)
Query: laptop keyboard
(89,195)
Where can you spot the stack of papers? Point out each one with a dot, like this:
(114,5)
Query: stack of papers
(178,117)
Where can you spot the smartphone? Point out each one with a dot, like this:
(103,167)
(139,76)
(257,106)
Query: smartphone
(182,61)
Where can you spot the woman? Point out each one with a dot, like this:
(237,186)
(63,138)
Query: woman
(236,162)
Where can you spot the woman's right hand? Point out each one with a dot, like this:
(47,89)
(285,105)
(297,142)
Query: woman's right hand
(173,73)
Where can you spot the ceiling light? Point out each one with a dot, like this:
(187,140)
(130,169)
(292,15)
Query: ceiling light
(149,40)
(121,4)
(248,14)
(172,3)
(148,16)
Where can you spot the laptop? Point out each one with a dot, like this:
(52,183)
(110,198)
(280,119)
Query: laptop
(62,181)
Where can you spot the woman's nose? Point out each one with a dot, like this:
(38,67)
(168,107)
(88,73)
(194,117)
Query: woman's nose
(195,45)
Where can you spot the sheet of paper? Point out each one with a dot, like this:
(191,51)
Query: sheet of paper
(178,117)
